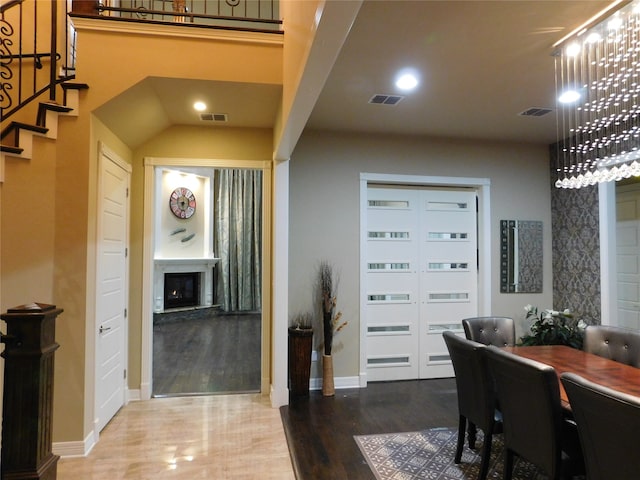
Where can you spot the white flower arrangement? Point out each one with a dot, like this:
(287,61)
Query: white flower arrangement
(553,327)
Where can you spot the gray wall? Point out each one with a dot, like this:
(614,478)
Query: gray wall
(324,212)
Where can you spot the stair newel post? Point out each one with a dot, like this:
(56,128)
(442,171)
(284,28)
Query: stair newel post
(27,418)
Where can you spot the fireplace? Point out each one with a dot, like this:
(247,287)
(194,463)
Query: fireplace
(181,290)
(200,272)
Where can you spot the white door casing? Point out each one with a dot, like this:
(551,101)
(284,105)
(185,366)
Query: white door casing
(420,276)
(112,286)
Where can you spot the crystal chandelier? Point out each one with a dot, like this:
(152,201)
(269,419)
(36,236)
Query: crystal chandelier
(598,101)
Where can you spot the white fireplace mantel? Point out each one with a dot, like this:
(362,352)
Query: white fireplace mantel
(202,265)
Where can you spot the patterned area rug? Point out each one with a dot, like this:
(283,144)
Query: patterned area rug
(429,455)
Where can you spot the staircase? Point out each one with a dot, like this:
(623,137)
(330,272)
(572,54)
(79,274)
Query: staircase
(37,58)
(16,140)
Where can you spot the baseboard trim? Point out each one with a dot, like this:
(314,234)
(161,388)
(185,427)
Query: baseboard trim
(145,391)
(278,396)
(338,382)
(133,396)
(84,447)
(76,448)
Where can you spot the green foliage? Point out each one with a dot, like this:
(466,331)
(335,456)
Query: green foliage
(552,327)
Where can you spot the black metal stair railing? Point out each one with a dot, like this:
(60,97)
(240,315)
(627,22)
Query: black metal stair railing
(246,15)
(32,59)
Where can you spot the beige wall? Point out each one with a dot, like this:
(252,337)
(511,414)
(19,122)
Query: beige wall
(136,56)
(49,202)
(324,211)
(299,21)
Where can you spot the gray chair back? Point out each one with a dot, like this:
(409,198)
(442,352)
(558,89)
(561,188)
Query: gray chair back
(608,425)
(528,393)
(476,394)
(616,343)
(498,331)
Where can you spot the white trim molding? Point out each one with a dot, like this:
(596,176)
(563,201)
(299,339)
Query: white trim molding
(75,449)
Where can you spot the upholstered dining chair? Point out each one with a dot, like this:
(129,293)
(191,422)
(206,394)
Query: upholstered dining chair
(498,331)
(533,422)
(615,343)
(476,396)
(608,425)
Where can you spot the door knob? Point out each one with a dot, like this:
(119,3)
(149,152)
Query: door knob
(102,329)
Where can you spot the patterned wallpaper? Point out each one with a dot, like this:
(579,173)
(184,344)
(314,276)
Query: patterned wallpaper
(576,251)
(530,255)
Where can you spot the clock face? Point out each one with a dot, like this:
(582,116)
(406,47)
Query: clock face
(182,202)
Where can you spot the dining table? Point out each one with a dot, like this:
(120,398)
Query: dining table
(601,370)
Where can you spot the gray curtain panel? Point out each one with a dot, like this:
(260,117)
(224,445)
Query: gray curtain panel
(238,239)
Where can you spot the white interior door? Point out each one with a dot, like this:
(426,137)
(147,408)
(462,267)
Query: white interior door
(421,278)
(112,287)
(448,272)
(628,254)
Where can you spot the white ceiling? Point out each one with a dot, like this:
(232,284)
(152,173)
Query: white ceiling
(481,63)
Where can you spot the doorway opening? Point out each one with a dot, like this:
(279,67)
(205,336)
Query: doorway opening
(207,269)
(396,275)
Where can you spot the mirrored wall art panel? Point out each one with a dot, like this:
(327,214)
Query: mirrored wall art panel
(520,256)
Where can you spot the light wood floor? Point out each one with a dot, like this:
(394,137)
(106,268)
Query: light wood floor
(197,437)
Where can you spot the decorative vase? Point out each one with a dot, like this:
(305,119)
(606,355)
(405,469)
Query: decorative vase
(300,347)
(328,388)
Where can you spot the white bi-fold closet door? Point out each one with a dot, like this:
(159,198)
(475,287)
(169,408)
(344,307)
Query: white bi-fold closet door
(421,277)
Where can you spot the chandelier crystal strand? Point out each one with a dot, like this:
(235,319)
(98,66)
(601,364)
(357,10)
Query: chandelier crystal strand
(599,133)
(560,144)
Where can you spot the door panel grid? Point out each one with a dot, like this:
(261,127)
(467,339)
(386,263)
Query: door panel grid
(421,278)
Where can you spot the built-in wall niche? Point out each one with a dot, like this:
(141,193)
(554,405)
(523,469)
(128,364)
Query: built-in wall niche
(183,227)
(184,214)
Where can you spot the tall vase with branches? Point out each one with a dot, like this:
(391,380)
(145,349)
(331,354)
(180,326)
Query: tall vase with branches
(331,323)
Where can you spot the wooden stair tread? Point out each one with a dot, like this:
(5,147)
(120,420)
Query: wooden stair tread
(56,107)
(11,149)
(27,126)
(74,86)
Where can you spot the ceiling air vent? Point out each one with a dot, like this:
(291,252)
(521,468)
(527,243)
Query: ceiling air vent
(214,117)
(535,112)
(385,99)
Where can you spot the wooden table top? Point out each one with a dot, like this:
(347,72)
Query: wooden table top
(600,370)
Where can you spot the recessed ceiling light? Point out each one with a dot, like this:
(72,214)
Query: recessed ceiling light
(407,81)
(569,96)
(200,106)
(573,49)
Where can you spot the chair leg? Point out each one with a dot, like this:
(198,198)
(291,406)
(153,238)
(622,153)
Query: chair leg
(473,431)
(508,464)
(462,423)
(486,455)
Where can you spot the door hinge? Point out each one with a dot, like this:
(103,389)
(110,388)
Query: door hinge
(125,313)
(127,194)
(126,252)
(125,373)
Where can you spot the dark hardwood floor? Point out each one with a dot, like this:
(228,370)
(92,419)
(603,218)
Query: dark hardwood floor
(203,351)
(320,430)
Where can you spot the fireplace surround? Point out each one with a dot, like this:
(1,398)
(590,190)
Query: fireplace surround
(200,270)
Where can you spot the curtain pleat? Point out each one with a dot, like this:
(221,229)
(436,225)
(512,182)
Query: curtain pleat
(238,239)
